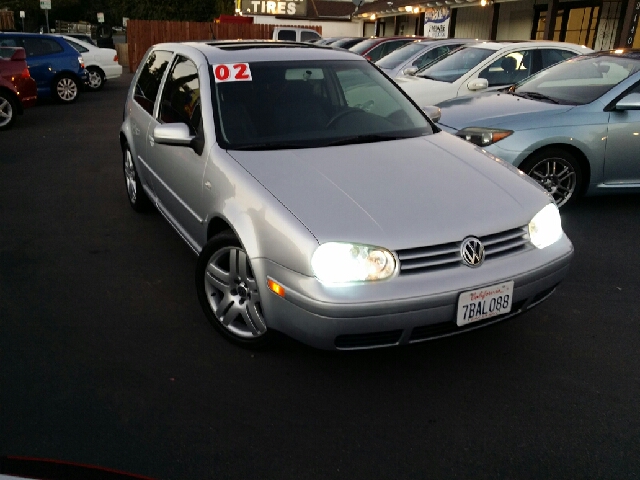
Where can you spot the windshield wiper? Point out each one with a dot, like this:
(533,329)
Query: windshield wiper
(365,139)
(269,146)
(535,96)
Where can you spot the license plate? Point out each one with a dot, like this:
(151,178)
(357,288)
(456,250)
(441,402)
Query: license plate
(483,303)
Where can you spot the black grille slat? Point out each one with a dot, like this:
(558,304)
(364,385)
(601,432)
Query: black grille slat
(363,340)
(447,255)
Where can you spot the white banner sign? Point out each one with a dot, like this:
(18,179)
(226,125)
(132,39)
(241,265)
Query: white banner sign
(45,4)
(436,22)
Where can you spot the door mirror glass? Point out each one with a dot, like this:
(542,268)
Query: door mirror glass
(478,84)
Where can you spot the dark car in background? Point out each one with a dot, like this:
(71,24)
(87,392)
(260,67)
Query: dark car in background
(347,42)
(56,67)
(17,89)
(374,48)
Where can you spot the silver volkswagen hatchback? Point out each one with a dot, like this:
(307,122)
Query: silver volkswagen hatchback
(323,204)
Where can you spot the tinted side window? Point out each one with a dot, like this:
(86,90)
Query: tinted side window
(36,47)
(306,36)
(552,56)
(288,35)
(150,77)
(432,54)
(10,42)
(79,48)
(180,101)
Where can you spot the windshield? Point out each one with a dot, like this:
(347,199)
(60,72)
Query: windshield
(307,104)
(454,65)
(402,54)
(580,80)
(365,45)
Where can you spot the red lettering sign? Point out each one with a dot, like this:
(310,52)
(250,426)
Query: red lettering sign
(232,72)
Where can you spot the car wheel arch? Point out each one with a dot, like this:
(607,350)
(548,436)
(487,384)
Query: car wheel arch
(16,101)
(583,161)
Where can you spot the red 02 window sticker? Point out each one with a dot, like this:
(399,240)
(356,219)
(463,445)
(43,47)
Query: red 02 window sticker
(231,72)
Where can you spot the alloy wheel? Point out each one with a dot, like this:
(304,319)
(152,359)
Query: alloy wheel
(6,111)
(130,176)
(95,80)
(67,89)
(557,176)
(232,293)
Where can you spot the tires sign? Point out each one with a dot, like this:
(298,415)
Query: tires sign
(231,72)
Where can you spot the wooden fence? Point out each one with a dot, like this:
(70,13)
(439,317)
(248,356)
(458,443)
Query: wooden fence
(141,34)
(6,20)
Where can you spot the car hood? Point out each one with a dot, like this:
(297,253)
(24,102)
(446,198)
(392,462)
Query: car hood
(493,110)
(397,194)
(425,91)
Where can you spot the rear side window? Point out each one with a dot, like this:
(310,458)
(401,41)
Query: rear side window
(180,101)
(36,47)
(288,35)
(150,77)
(77,46)
(10,42)
(306,36)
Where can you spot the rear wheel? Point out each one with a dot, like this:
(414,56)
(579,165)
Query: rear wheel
(66,89)
(558,171)
(228,292)
(8,111)
(96,79)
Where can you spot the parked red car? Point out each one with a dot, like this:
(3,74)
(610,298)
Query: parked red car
(374,48)
(17,89)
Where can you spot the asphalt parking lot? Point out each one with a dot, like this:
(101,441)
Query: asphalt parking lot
(107,359)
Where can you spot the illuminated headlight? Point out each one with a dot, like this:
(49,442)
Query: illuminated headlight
(545,228)
(483,137)
(335,262)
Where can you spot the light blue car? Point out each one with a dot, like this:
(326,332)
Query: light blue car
(574,127)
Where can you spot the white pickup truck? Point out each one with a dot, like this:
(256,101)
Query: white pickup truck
(295,34)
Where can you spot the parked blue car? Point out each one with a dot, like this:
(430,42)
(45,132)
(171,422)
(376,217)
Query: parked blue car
(57,67)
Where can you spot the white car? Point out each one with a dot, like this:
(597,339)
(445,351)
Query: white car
(482,67)
(101,63)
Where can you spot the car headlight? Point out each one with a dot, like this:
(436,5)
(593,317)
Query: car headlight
(335,262)
(545,228)
(483,137)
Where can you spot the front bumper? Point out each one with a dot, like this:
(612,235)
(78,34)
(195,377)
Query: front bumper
(406,309)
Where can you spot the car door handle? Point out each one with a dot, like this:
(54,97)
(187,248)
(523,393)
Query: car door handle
(151,140)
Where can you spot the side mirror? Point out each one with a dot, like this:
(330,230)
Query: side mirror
(478,84)
(630,102)
(410,71)
(176,134)
(433,112)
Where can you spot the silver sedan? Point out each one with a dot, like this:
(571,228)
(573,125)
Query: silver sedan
(323,204)
(574,128)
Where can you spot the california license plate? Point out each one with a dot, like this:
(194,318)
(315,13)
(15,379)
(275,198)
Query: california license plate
(483,303)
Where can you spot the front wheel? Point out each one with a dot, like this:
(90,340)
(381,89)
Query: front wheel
(557,171)
(66,89)
(228,292)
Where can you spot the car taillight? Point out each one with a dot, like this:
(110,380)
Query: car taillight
(115,58)
(81,61)
(25,73)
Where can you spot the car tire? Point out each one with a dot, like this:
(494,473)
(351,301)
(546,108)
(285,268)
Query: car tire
(228,292)
(66,88)
(96,79)
(557,171)
(137,196)
(8,111)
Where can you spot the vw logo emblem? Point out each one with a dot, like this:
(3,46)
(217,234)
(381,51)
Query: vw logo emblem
(472,252)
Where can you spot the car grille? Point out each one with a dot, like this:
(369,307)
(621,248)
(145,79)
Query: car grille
(447,255)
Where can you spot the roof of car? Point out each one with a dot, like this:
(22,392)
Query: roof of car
(228,51)
(493,45)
